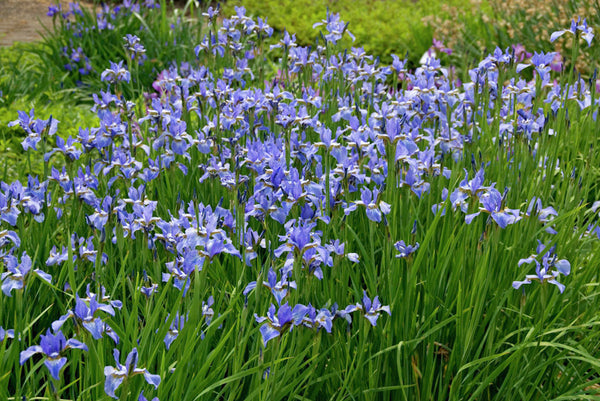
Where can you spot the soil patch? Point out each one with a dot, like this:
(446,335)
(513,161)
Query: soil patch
(21,20)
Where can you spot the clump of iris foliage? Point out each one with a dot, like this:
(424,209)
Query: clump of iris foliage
(345,230)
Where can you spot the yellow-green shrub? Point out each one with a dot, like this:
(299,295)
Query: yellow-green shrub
(382,27)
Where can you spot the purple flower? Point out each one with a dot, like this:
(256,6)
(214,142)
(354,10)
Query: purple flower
(468,188)
(545,215)
(374,206)
(100,216)
(587,32)
(66,148)
(134,48)
(149,291)
(116,375)
(520,53)
(25,121)
(115,73)
(405,250)
(54,10)
(176,326)
(543,270)
(279,288)
(52,346)
(211,13)
(414,179)
(300,237)
(58,258)
(34,128)
(492,203)
(324,319)
(439,45)
(335,28)
(276,323)
(15,277)
(86,316)
(310,317)
(372,309)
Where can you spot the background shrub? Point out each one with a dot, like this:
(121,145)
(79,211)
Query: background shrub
(504,23)
(381,27)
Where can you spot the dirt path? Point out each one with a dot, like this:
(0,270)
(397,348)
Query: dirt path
(20,20)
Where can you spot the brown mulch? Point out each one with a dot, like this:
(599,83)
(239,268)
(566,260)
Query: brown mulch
(20,20)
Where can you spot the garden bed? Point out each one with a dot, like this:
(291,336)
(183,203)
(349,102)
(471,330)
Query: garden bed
(242,217)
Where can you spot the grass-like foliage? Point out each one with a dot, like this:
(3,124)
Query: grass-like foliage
(345,230)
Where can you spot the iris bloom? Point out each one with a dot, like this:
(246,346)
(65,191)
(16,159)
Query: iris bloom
(492,204)
(374,207)
(176,325)
(322,318)
(7,236)
(116,375)
(211,13)
(275,323)
(149,291)
(134,48)
(285,318)
(34,127)
(335,28)
(115,73)
(279,288)
(404,249)
(543,270)
(544,214)
(85,314)
(587,32)
(372,309)
(67,148)
(301,236)
(14,278)
(52,346)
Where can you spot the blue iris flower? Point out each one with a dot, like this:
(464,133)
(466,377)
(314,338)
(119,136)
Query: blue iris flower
(547,270)
(116,375)
(52,346)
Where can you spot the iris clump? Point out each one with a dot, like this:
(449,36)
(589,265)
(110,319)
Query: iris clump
(233,220)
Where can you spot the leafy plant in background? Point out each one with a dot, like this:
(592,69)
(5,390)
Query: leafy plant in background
(382,28)
(344,229)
